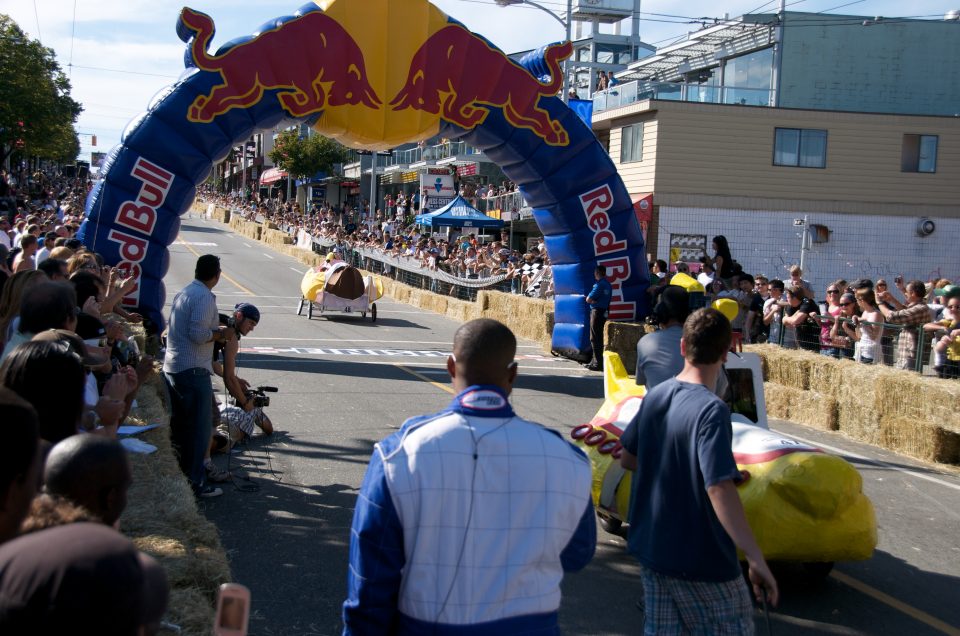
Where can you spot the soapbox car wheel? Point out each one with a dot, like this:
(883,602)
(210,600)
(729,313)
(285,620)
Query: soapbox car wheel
(373,312)
(609,524)
(300,306)
(309,311)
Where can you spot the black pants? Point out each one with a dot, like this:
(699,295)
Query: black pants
(598,318)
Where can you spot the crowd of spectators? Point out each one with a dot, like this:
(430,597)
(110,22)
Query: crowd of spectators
(458,254)
(862,320)
(69,374)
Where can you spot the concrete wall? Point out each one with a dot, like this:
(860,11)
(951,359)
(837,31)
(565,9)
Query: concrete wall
(766,242)
(836,63)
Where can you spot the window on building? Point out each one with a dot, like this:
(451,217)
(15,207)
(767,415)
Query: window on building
(631,143)
(919,153)
(800,147)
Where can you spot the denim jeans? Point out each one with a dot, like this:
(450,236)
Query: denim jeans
(191,392)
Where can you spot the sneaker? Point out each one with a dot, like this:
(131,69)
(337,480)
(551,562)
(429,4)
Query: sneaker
(593,367)
(217,474)
(209,492)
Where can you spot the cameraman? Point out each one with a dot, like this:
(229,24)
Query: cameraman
(240,419)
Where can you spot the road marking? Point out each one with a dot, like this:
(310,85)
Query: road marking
(315,351)
(222,274)
(267,255)
(553,371)
(247,245)
(896,604)
(410,342)
(298,271)
(875,462)
(198,243)
(442,387)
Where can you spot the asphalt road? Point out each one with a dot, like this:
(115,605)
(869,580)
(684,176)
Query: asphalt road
(346,382)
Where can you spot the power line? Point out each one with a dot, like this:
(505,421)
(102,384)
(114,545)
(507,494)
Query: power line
(119,70)
(73,30)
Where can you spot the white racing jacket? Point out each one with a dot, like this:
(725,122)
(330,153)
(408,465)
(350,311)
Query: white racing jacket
(465,524)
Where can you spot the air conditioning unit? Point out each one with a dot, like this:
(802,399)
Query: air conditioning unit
(925,227)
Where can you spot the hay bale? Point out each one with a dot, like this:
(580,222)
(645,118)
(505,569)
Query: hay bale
(826,372)
(181,539)
(787,367)
(806,407)
(622,339)
(913,396)
(920,439)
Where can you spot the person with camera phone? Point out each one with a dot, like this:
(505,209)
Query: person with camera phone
(237,421)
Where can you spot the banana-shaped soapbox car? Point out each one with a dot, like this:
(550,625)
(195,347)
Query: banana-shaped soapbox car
(803,504)
(338,286)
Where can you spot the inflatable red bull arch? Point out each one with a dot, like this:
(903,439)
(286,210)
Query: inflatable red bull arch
(373,74)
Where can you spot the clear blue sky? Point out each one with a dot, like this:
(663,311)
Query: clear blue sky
(125,51)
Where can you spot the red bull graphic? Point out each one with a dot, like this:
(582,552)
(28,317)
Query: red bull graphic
(437,84)
(327,69)
(373,74)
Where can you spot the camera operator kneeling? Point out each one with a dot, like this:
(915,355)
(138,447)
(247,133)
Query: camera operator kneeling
(235,422)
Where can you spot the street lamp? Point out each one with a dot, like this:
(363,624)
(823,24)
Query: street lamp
(564,23)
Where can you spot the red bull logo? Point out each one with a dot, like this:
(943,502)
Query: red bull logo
(312,60)
(436,83)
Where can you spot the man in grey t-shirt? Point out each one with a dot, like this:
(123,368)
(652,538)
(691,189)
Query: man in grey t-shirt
(658,353)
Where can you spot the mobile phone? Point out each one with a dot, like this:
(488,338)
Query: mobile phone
(898,280)
(233,610)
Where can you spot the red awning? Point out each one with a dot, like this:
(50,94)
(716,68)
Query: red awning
(272,176)
(643,206)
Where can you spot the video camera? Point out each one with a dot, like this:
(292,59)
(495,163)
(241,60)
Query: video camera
(259,397)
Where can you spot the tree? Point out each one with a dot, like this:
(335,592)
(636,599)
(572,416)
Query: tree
(37,113)
(303,158)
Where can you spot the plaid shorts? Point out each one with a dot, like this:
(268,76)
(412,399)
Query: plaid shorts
(679,606)
(234,420)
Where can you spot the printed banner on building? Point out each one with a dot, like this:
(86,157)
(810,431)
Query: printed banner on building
(436,184)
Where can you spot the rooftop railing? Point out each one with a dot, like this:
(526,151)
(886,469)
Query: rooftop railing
(638,90)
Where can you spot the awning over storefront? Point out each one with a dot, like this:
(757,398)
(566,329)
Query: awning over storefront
(272,176)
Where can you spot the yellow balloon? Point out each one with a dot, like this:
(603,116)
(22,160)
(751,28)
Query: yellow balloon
(727,306)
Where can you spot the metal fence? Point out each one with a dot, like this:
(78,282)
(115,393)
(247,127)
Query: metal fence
(901,346)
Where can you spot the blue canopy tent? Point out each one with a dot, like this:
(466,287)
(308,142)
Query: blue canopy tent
(458,213)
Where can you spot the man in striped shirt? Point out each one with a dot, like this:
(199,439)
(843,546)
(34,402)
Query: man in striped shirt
(194,327)
(912,316)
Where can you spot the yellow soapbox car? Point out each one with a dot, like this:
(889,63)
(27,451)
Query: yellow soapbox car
(338,286)
(803,505)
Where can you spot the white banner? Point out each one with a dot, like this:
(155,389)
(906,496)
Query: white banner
(436,188)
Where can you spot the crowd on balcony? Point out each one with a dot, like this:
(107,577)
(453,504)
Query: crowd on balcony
(69,373)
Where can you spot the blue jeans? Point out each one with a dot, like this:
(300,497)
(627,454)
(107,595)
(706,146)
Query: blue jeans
(191,392)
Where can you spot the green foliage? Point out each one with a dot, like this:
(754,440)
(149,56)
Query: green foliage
(303,158)
(35,104)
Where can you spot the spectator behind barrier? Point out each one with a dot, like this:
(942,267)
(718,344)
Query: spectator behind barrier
(91,471)
(79,578)
(19,461)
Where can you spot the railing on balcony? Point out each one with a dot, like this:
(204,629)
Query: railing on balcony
(631,92)
(511,202)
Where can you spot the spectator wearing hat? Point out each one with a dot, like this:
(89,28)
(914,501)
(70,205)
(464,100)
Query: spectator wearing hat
(187,366)
(239,420)
(658,353)
(48,244)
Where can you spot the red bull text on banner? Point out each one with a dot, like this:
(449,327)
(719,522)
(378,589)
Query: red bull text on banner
(373,87)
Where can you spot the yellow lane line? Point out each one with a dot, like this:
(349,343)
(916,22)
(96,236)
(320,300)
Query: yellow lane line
(896,604)
(222,274)
(442,387)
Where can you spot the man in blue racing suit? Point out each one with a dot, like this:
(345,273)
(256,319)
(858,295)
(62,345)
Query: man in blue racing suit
(468,518)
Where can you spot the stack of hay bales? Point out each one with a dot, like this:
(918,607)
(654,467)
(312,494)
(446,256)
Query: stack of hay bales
(892,408)
(162,519)
(526,317)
